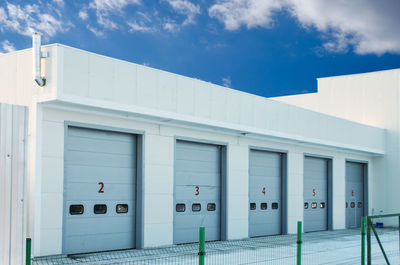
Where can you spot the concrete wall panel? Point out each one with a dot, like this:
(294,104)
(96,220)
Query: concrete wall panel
(12,183)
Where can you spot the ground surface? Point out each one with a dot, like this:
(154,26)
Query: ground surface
(328,247)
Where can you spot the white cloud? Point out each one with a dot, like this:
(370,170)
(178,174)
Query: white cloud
(134,26)
(227,82)
(59,2)
(171,26)
(95,31)
(250,13)
(187,8)
(367,25)
(370,26)
(105,8)
(29,18)
(7,46)
(83,14)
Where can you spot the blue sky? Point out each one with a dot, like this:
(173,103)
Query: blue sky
(265,47)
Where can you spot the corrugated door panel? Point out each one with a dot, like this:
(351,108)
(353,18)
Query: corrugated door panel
(354,194)
(265,208)
(197,182)
(315,194)
(100,169)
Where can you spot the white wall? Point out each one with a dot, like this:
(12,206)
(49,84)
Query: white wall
(373,99)
(12,183)
(17,85)
(103,82)
(159,150)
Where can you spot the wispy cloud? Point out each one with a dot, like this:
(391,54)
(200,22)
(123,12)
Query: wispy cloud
(83,14)
(29,18)
(227,82)
(171,26)
(59,2)
(7,46)
(134,26)
(106,8)
(95,31)
(186,8)
(250,13)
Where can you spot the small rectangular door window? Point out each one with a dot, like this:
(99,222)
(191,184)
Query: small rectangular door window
(263,206)
(275,205)
(253,206)
(121,208)
(76,209)
(196,207)
(306,205)
(100,209)
(211,207)
(180,207)
(313,205)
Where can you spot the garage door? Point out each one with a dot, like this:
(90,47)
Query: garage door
(197,193)
(315,194)
(99,191)
(354,194)
(265,209)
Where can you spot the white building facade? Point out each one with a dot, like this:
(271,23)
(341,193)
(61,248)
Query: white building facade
(165,113)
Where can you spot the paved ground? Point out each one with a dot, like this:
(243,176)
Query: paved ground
(329,247)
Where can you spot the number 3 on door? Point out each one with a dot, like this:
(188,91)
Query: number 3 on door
(197,191)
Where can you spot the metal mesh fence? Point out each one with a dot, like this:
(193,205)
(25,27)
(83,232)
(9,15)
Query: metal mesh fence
(328,247)
(334,247)
(387,234)
(263,250)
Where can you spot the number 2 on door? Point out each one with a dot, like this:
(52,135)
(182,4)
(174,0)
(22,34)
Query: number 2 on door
(197,190)
(101,187)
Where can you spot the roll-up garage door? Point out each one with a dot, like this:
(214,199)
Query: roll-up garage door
(354,194)
(197,194)
(99,191)
(315,194)
(265,209)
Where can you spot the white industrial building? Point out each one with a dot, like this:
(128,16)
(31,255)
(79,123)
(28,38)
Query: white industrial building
(108,154)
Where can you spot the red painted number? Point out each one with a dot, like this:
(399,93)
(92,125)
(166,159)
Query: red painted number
(101,187)
(313,192)
(197,190)
(352,192)
(263,190)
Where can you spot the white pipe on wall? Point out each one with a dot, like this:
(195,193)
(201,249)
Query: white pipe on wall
(37,55)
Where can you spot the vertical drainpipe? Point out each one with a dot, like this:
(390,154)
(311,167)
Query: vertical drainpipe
(37,55)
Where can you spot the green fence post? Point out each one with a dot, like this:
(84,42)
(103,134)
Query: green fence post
(368,240)
(202,249)
(28,252)
(299,242)
(363,240)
